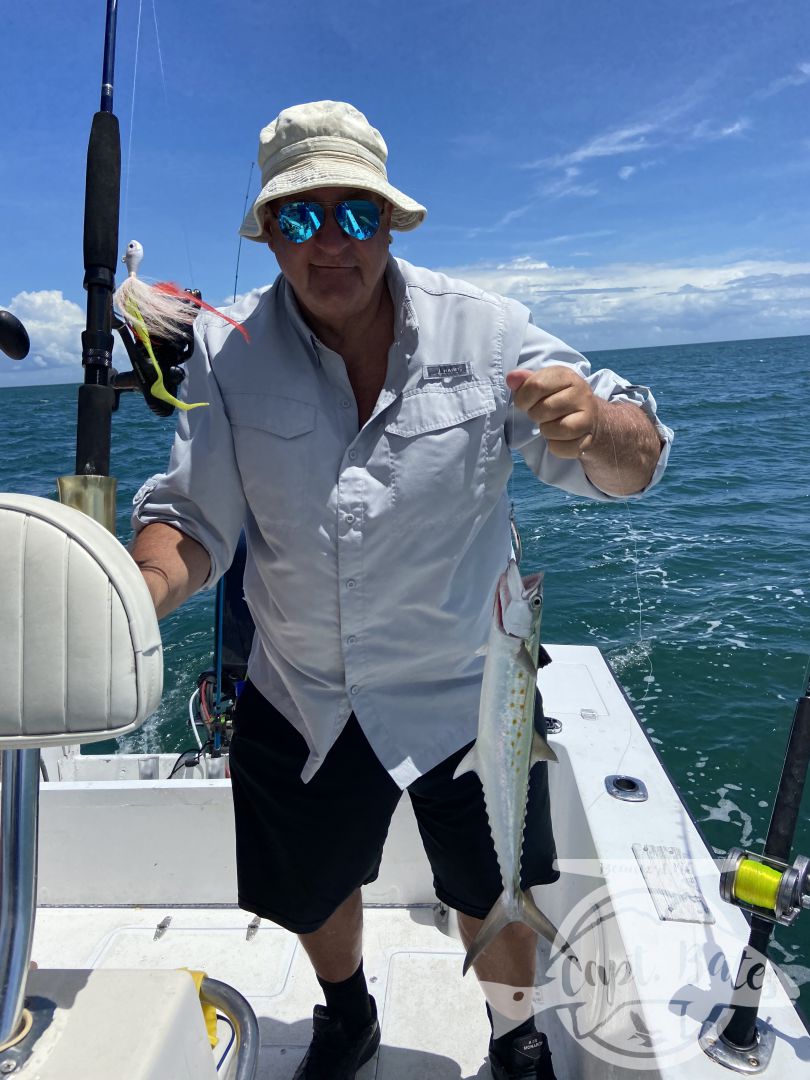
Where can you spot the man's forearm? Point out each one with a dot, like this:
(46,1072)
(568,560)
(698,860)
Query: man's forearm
(173,565)
(621,458)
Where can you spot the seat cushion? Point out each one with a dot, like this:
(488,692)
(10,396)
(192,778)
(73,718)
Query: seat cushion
(80,648)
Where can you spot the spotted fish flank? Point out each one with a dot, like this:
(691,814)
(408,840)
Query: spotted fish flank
(508,746)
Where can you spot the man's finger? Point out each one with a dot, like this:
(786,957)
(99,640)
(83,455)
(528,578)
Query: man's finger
(567,427)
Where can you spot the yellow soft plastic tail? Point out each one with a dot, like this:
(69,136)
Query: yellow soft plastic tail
(158,387)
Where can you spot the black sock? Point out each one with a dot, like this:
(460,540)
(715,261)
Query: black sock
(349,1000)
(503,1045)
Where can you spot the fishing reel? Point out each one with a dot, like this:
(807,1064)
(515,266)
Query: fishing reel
(767,887)
(169,356)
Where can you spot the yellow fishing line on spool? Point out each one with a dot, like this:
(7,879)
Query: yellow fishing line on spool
(158,389)
(757,884)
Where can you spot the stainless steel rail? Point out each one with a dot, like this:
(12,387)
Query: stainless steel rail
(19,815)
(243,1018)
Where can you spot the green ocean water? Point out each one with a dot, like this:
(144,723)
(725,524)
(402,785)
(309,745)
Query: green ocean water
(699,595)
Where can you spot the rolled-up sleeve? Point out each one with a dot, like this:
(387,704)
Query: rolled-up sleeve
(540,349)
(201,493)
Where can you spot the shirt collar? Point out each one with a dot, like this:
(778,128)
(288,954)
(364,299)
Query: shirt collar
(293,312)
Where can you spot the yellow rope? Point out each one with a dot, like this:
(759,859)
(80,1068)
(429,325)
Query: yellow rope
(209,1010)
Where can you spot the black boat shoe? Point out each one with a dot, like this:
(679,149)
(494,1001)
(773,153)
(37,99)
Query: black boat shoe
(334,1055)
(529,1058)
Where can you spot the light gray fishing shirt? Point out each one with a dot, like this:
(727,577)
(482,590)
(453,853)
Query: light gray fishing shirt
(373,552)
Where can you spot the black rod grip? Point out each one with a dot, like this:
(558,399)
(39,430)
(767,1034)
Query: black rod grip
(102,193)
(741,1029)
(94,430)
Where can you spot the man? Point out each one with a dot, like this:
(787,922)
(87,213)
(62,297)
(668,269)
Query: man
(363,440)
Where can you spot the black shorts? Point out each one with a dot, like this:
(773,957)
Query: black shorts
(302,849)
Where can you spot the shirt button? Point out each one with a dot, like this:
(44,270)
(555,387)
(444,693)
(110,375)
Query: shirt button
(351,640)
(345,404)
(349,519)
(355,690)
(352,455)
(350,584)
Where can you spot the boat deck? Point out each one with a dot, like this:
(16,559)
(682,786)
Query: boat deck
(638,898)
(433,1020)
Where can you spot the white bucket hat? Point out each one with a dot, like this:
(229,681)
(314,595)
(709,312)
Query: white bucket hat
(324,144)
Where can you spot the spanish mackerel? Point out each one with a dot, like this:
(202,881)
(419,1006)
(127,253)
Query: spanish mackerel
(508,746)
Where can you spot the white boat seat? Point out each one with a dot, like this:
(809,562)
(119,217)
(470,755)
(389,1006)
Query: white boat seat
(80,648)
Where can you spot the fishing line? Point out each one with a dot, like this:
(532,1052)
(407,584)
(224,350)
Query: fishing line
(239,247)
(169,114)
(646,652)
(132,118)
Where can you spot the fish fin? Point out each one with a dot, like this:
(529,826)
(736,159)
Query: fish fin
(543,657)
(525,660)
(541,751)
(501,914)
(482,651)
(469,763)
(533,917)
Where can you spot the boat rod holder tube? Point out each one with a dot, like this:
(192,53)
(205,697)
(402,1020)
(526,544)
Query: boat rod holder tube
(245,1024)
(19,815)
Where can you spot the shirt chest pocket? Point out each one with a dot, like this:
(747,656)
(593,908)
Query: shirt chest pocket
(442,441)
(274,443)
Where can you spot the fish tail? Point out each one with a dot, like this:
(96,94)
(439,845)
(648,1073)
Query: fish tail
(506,910)
(533,917)
(501,914)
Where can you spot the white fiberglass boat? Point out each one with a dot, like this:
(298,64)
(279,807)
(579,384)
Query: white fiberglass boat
(136,879)
(135,874)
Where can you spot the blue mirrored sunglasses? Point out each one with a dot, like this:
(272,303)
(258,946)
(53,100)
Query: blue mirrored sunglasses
(299,221)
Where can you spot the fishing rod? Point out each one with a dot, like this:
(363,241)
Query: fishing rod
(772,891)
(91,488)
(156,370)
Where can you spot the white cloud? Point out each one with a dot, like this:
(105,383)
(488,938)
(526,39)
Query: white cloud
(664,128)
(567,184)
(798,78)
(54,325)
(568,238)
(231,300)
(706,131)
(619,141)
(624,305)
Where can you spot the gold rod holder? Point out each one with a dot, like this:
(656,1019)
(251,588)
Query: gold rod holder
(93,495)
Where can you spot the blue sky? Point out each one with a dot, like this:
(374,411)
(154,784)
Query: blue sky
(636,172)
